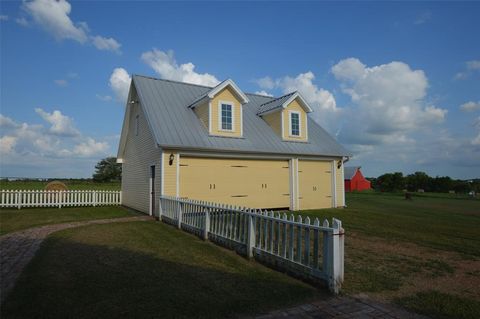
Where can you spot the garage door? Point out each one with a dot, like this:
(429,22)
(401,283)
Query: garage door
(315,184)
(250,183)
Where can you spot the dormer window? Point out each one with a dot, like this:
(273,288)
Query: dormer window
(295,123)
(226,116)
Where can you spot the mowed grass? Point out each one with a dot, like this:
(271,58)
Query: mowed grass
(145,270)
(423,254)
(71,184)
(17,219)
(450,224)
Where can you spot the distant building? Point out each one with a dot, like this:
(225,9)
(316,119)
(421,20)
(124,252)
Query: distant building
(354,180)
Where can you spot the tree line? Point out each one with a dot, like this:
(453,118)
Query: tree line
(393,182)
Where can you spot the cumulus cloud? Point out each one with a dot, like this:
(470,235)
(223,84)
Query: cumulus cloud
(54,17)
(265,83)
(106,44)
(388,99)
(3,17)
(22,21)
(120,83)
(7,143)
(61,82)
(470,106)
(263,92)
(166,66)
(61,125)
(22,141)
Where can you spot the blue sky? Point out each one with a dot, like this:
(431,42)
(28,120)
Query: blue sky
(398,84)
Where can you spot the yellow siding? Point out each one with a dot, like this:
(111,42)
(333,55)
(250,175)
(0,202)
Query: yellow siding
(170,174)
(240,182)
(226,95)
(275,122)
(340,184)
(315,184)
(202,113)
(294,106)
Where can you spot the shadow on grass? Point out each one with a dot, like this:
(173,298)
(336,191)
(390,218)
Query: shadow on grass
(71,279)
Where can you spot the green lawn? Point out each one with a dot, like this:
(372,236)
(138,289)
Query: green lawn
(423,253)
(14,219)
(71,184)
(145,270)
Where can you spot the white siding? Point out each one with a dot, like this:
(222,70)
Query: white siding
(140,153)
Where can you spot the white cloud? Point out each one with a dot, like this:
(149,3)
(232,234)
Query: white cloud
(166,66)
(7,143)
(6,122)
(3,17)
(473,65)
(470,106)
(120,83)
(106,44)
(262,92)
(476,140)
(265,83)
(470,67)
(22,21)
(54,17)
(60,124)
(61,82)
(90,147)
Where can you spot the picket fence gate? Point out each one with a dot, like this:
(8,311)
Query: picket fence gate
(44,198)
(312,251)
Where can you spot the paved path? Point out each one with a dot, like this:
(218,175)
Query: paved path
(17,249)
(342,307)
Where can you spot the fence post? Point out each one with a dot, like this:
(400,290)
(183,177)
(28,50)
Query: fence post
(180,213)
(94,198)
(17,199)
(206,229)
(250,235)
(335,278)
(160,209)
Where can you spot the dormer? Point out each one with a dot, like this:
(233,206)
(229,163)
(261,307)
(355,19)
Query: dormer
(287,116)
(221,109)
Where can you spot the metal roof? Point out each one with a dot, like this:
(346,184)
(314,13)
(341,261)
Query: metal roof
(274,104)
(175,125)
(349,172)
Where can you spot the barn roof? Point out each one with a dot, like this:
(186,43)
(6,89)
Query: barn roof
(350,171)
(175,125)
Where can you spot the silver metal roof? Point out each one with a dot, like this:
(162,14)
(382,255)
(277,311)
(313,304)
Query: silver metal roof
(273,104)
(350,171)
(175,125)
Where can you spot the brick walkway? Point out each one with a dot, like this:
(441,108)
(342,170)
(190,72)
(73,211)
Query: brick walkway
(17,249)
(342,307)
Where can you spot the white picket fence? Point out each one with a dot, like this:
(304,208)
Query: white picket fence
(313,251)
(43,198)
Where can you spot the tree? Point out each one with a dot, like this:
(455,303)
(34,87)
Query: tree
(108,170)
(391,182)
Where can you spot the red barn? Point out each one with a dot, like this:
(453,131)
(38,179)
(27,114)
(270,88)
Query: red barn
(354,180)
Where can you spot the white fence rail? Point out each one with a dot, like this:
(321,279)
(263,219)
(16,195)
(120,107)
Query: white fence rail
(313,251)
(43,198)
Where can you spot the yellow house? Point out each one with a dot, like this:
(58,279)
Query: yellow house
(225,146)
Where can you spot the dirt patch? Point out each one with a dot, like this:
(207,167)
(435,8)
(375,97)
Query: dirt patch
(388,269)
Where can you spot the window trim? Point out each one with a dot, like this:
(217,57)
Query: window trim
(290,131)
(232,105)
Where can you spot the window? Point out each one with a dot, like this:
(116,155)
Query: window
(295,124)
(226,117)
(136,125)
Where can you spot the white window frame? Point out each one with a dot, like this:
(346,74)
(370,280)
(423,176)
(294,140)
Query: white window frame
(232,105)
(137,124)
(299,124)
